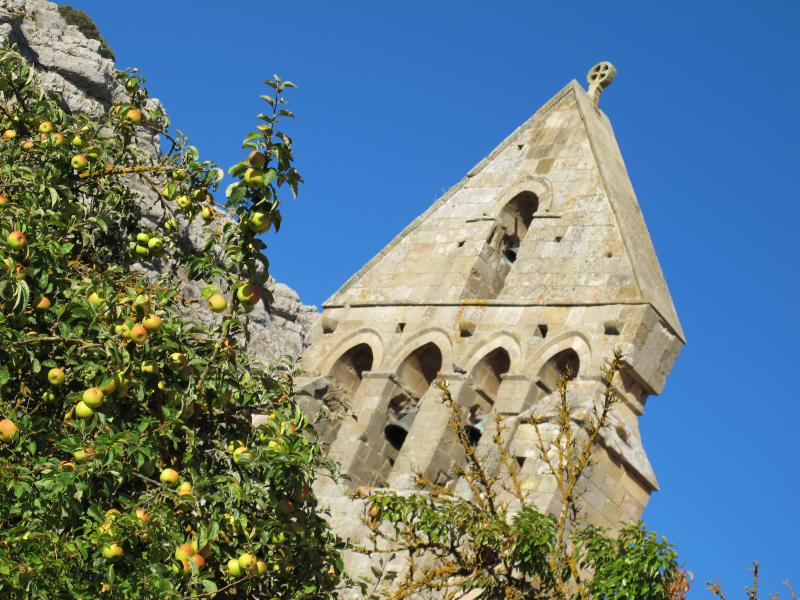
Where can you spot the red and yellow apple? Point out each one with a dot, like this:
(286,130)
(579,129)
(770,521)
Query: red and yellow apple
(8,431)
(17,240)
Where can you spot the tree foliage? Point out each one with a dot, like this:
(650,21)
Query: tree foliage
(129,464)
(490,538)
(87,26)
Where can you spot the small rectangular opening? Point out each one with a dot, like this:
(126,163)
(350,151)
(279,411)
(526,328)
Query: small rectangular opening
(466,328)
(400,327)
(559,238)
(541,331)
(611,327)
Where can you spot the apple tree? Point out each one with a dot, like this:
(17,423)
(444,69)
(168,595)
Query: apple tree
(129,463)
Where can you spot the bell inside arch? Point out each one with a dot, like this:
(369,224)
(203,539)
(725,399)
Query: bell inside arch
(397,428)
(474,431)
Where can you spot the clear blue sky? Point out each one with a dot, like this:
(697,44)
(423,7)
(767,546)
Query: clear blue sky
(398,100)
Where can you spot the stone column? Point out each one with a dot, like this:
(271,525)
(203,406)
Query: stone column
(430,428)
(369,405)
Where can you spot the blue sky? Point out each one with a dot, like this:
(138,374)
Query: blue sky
(398,100)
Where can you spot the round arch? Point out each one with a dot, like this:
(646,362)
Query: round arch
(568,341)
(434,335)
(537,185)
(503,339)
(363,336)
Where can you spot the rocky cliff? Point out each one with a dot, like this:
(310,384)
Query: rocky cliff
(73,66)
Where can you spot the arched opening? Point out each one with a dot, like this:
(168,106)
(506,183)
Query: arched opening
(513,223)
(413,378)
(502,246)
(335,392)
(484,382)
(349,369)
(565,363)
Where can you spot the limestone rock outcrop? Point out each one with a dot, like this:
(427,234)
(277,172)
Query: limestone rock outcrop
(71,65)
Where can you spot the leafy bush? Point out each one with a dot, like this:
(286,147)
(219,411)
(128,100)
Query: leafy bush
(494,543)
(86,26)
(129,465)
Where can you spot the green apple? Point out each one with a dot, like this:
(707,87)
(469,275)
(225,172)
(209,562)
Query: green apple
(108,385)
(141,250)
(247,563)
(261,567)
(234,570)
(95,299)
(9,134)
(185,488)
(217,303)
(259,222)
(93,397)
(8,431)
(248,293)
(123,384)
(56,376)
(45,127)
(82,454)
(79,162)
(112,551)
(152,323)
(141,300)
(27,144)
(169,476)
(207,213)
(83,411)
(142,237)
(242,455)
(76,140)
(155,244)
(177,360)
(57,139)
(17,240)
(183,201)
(254,177)
(149,367)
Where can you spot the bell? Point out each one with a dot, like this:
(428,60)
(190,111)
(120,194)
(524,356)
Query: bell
(474,432)
(396,429)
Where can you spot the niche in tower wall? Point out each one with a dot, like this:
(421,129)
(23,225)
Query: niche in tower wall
(501,250)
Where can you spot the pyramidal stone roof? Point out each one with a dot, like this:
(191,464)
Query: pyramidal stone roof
(586,245)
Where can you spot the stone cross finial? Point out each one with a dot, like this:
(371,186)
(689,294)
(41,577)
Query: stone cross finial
(599,78)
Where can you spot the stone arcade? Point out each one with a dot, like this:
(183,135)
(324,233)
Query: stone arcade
(537,261)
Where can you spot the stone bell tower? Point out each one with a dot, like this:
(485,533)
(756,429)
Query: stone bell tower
(537,261)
